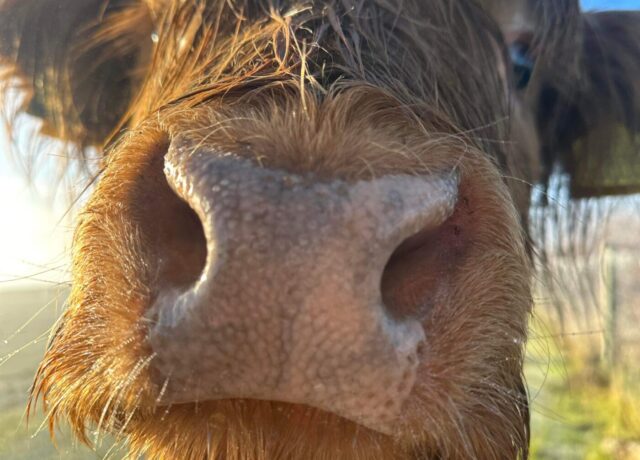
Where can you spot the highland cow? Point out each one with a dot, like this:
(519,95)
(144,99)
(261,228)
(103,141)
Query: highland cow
(308,235)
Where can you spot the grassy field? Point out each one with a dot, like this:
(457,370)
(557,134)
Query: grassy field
(25,320)
(579,411)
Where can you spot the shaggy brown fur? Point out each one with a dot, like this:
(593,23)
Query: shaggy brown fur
(352,89)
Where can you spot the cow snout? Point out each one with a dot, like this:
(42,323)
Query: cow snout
(289,306)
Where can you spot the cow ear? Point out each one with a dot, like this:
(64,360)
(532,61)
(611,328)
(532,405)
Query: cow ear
(79,62)
(593,131)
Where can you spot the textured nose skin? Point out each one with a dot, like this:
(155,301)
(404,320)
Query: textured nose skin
(289,307)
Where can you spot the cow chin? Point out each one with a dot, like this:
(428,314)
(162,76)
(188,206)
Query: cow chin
(254,429)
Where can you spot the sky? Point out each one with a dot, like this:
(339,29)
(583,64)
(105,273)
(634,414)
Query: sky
(35,235)
(610,4)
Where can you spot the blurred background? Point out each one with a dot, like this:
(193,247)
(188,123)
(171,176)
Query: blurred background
(583,355)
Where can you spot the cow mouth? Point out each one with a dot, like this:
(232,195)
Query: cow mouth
(288,414)
(280,314)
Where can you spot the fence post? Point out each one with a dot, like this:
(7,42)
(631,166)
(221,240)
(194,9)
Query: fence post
(611,308)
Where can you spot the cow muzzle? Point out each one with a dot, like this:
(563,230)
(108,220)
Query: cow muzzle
(289,305)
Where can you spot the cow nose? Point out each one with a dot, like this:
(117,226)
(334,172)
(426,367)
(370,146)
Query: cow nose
(289,305)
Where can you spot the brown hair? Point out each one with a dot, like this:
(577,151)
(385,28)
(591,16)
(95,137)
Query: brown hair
(350,89)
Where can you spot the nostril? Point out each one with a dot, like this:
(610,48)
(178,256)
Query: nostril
(183,249)
(419,270)
(409,278)
(173,230)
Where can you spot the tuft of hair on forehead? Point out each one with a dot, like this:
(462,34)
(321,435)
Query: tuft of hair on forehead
(91,69)
(364,40)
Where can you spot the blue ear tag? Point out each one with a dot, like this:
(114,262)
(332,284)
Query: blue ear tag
(522,64)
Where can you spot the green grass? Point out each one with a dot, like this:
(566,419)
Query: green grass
(579,410)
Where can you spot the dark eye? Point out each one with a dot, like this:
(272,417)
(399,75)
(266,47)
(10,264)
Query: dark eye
(522,64)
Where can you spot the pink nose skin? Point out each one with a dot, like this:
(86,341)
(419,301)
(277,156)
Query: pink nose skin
(289,307)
